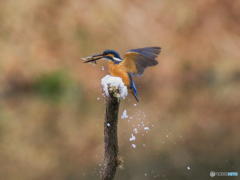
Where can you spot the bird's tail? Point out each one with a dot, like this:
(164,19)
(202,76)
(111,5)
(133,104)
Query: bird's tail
(133,87)
(135,95)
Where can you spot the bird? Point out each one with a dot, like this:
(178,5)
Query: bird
(134,62)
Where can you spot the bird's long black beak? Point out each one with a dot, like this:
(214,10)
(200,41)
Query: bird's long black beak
(93,58)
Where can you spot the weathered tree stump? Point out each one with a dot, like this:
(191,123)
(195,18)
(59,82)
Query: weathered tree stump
(114,90)
(111,161)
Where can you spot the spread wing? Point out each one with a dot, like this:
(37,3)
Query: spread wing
(136,60)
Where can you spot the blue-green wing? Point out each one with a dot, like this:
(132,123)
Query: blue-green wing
(136,60)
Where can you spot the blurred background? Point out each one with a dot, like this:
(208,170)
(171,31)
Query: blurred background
(51,104)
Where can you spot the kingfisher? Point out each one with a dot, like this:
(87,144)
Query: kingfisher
(132,64)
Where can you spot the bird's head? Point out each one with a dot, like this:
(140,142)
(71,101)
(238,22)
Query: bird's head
(110,55)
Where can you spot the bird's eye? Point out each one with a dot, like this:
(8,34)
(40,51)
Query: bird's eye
(109,57)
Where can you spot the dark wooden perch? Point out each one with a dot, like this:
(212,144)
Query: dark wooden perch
(111,160)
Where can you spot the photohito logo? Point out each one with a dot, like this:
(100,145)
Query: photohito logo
(213,174)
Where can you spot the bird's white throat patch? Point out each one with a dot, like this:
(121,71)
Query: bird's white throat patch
(117,59)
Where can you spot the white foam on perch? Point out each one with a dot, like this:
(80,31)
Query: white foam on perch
(114,82)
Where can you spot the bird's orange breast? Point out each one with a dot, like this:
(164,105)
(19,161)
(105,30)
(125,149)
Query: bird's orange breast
(119,71)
